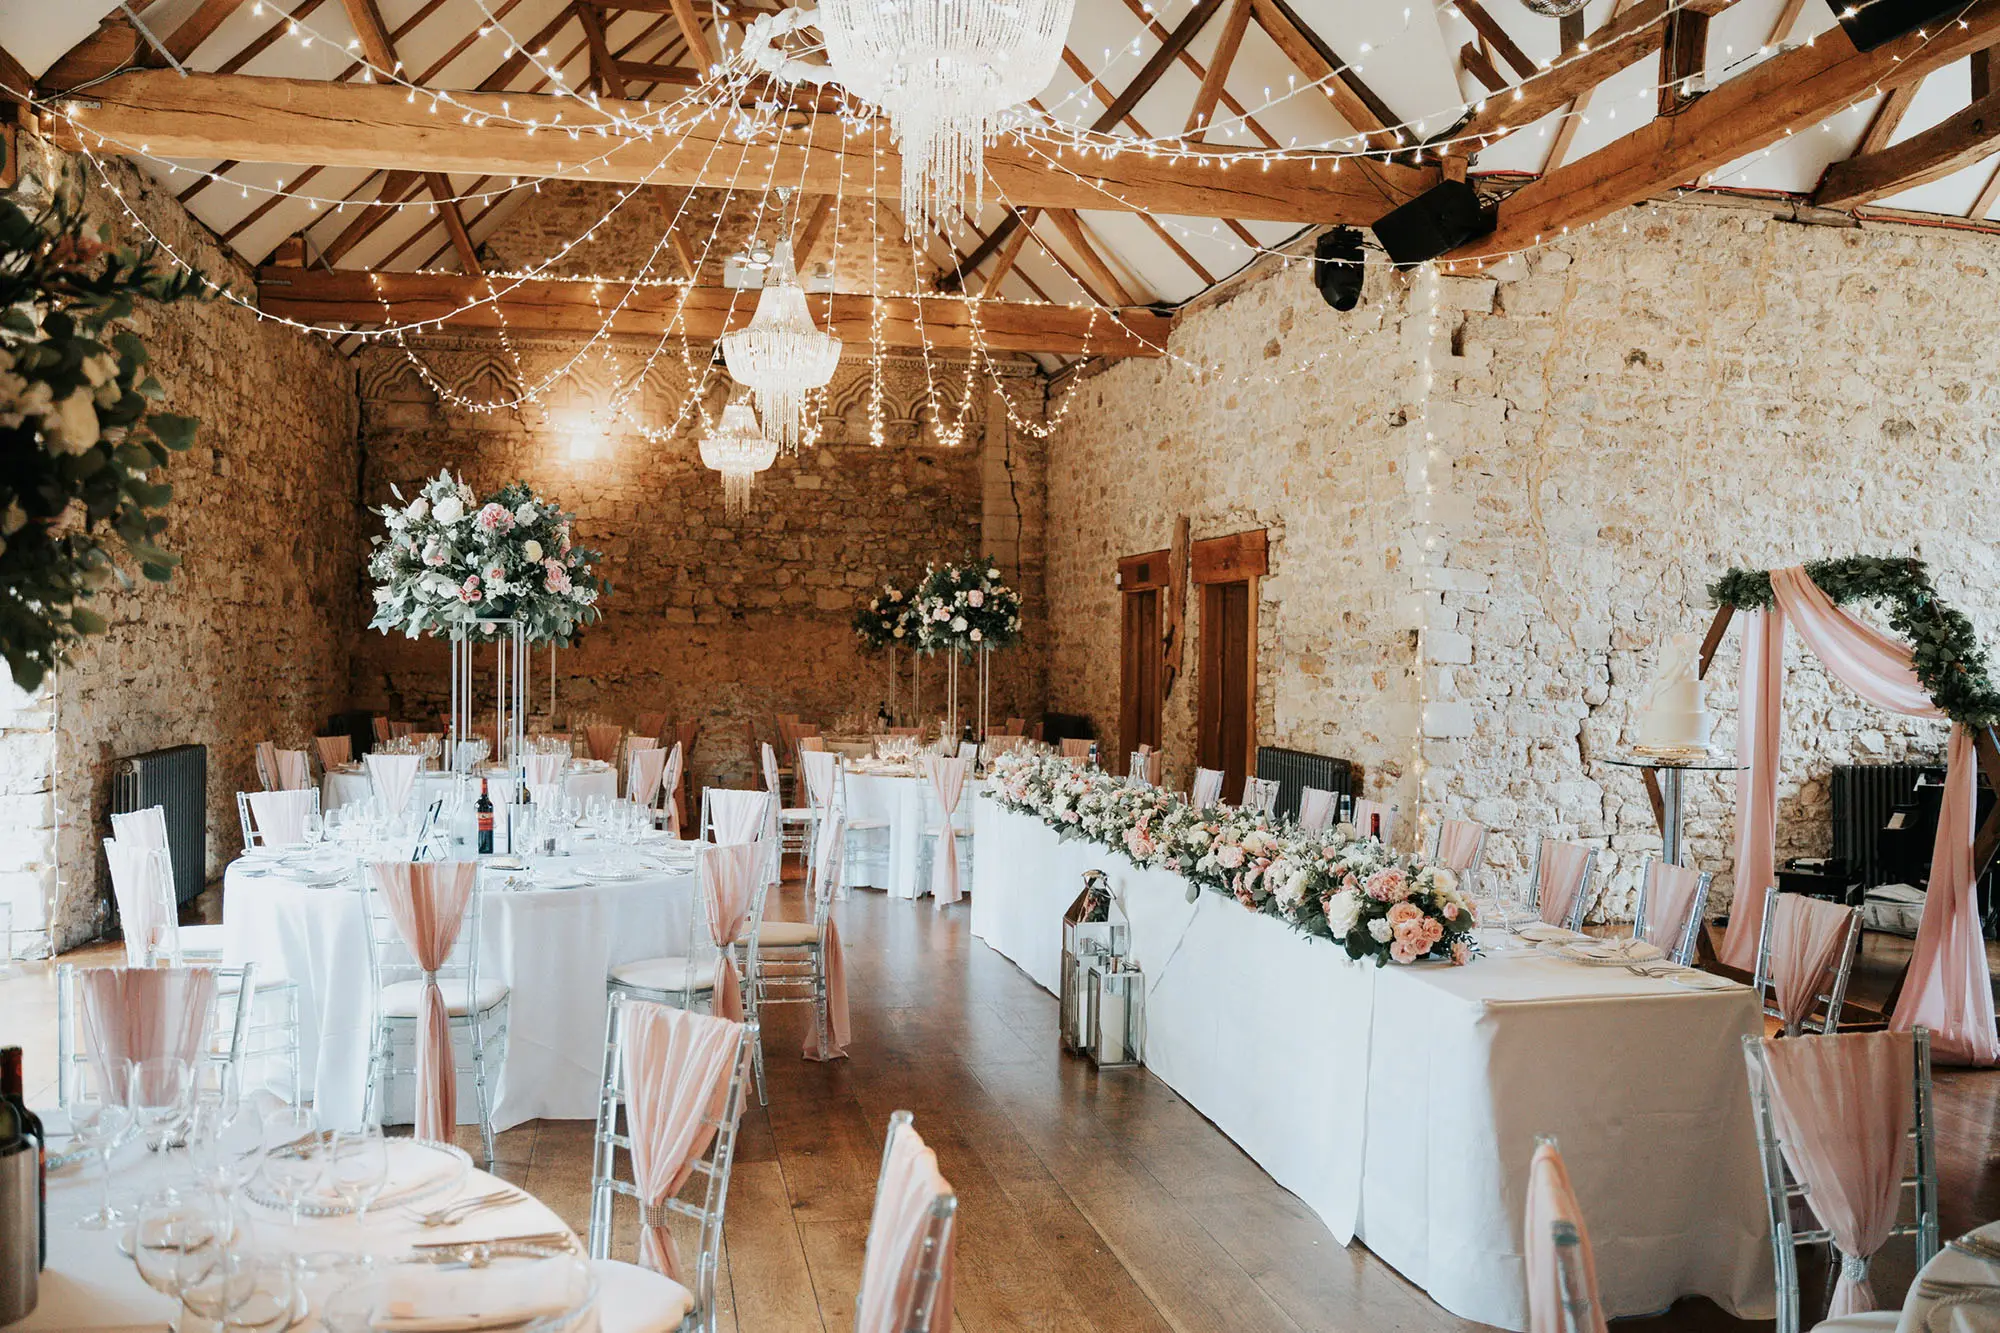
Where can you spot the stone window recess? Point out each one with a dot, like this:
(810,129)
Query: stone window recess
(27,816)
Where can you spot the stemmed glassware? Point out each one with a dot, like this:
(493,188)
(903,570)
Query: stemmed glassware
(357,1166)
(162,1094)
(225,1137)
(99,1119)
(294,1159)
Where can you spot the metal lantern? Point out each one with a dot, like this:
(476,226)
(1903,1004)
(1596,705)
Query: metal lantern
(1113,1004)
(1093,929)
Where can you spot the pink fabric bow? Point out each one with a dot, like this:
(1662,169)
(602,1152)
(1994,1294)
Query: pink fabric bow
(729,875)
(1564,865)
(1550,1201)
(1842,1106)
(427,901)
(1669,902)
(828,859)
(1459,845)
(910,1189)
(947,780)
(677,1066)
(143,1013)
(1807,939)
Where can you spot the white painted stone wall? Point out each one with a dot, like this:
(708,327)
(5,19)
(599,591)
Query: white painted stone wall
(27,819)
(1617,421)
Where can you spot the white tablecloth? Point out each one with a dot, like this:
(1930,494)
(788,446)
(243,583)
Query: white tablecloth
(901,802)
(88,1284)
(339,787)
(552,948)
(1949,1266)
(1401,1103)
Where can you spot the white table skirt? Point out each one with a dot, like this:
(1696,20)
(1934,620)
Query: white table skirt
(900,802)
(552,948)
(339,788)
(1401,1104)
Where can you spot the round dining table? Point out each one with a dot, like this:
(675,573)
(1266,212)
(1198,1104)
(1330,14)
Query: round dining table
(586,780)
(893,798)
(552,947)
(1958,1291)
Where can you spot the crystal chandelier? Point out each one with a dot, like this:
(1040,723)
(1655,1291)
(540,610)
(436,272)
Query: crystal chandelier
(781,357)
(950,75)
(737,448)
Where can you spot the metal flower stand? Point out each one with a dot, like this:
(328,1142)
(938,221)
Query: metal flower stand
(510,695)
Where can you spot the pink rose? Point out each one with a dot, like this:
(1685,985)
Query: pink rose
(1402,952)
(470,592)
(1229,856)
(1451,911)
(1243,893)
(1432,930)
(1460,953)
(1137,843)
(1387,886)
(495,518)
(557,577)
(1404,911)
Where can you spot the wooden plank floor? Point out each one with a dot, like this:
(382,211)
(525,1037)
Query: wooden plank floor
(1088,1201)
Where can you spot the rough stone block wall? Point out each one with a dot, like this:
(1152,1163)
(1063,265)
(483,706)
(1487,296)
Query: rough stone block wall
(712,618)
(1618,420)
(250,640)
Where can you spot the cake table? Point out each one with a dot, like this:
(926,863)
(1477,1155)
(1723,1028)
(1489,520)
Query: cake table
(1669,772)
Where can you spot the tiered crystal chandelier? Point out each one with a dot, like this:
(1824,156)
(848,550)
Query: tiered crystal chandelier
(950,75)
(737,448)
(782,356)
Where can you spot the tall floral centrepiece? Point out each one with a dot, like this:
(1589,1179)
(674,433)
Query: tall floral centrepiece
(455,566)
(966,607)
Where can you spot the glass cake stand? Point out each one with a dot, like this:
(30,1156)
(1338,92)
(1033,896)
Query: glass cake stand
(1669,770)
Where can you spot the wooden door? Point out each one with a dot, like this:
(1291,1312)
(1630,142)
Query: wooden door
(1139,676)
(1228,689)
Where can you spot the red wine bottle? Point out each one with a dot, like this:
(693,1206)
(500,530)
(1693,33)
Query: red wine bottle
(485,809)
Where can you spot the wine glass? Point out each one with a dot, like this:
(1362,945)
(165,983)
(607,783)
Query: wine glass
(225,1137)
(216,1272)
(315,829)
(162,1093)
(168,1236)
(99,1119)
(357,1166)
(294,1159)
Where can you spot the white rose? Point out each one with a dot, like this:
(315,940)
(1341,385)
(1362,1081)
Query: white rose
(977,636)
(450,509)
(533,550)
(382,596)
(992,573)
(73,424)
(957,622)
(1342,911)
(418,508)
(1379,928)
(526,513)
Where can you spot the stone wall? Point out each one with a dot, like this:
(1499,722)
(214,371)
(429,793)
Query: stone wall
(250,639)
(1616,421)
(723,620)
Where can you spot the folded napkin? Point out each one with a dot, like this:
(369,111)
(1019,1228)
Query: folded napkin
(1611,951)
(448,1300)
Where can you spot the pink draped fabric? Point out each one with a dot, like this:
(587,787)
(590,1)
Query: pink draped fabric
(427,901)
(279,817)
(1075,749)
(142,884)
(1551,1200)
(827,862)
(1364,813)
(1948,987)
(670,782)
(644,765)
(738,816)
(819,767)
(1315,809)
(393,776)
(267,765)
(729,884)
(1459,844)
(1807,938)
(603,738)
(677,1066)
(1563,868)
(812,744)
(142,1013)
(1842,1105)
(650,726)
(947,778)
(1207,788)
(910,1188)
(380,726)
(334,750)
(294,771)
(1669,899)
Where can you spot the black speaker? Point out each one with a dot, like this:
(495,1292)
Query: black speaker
(1870,23)
(1337,270)
(1442,218)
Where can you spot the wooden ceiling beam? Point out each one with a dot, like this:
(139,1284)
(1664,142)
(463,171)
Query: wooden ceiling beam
(1792,90)
(1072,228)
(199,26)
(1352,100)
(397,186)
(1475,63)
(1010,252)
(313,122)
(454,223)
(1882,125)
(1234,25)
(115,45)
(1498,38)
(561,306)
(1946,148)
(609,73)
(1988,197)
(1235,108)
(691,31)
(809,233)
(1781,26)
(367,22)
(1683,58)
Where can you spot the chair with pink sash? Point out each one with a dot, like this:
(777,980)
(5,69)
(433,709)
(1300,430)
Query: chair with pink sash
(602,739)
(735,814)
(1848,1141)
(670,789)
(393,777)
(110,1017)
(650,727)
(282,770)
(380,727)
(819,774)
(800,962)
(1316,809)
(1460,848)
(679,1078)
(722,938)
(1374,819)
(1207,789)
(142,887)
(334,751)
(1669,911)
(944,829)
(1075,749)
(794,822)
(1143,767)
(1562,1274)
(1559,883)
(906,1272)
(1805,955)
(1260,795)
(645,765)
(276,818)
(422,921)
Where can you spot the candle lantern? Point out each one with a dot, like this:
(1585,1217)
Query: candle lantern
(1113,1002)
(1093,928)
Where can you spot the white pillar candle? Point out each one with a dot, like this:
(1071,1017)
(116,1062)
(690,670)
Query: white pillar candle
(1110,1022)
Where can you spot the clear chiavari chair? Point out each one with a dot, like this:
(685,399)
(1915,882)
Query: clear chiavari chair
(305,802)
(227,1026)
(865,840)
(1827,945)
(1460,847)
(1260,795)
(795,822)
(1669,910)
(912,1305)
(934,824)
(702,1200)
(475,1008)
(1559,882)
(1207,789)
(1793,1225)
(1316,809)
(791,957)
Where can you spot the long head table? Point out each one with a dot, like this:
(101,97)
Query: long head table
(1401,1103)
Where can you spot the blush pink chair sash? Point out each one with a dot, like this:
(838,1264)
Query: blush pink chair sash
(737,815)
(142,884)
(650,727)
(279,817)
(142,828)
(334,750)
(1948,988)
(1207,788)
(1075,749)
(294,770)
(143,1013)
(267,765)
(670,782)
(427,901)
(393,776)
(603,738)
(910,1187)
(1364,813)
(677,1066)
(1551,1200)
(947,777)
(380,726)
(1459,843)
(1315,809)
(1563,867)
(644,765)
(1807,937)
(1842,1105)
(1669,899)
(819,766)
(828,859)
(729,885)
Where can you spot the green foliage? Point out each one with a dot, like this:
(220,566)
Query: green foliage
(1949,660)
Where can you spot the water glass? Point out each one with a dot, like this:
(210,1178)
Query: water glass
(99,1120)
(357,1166)
(162,1094)
(294,1157)
(169,1235)
(225,1137)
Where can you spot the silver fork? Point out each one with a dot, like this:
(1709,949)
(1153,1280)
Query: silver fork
(457,1212)
(1976,1246)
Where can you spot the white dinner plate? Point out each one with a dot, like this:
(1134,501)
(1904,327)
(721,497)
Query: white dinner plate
(418,1169)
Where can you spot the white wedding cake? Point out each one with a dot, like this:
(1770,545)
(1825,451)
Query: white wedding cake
(1670,718)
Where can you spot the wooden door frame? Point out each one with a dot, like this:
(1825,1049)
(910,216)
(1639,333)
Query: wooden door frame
(1240,557)
(1138,574)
